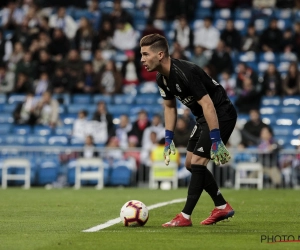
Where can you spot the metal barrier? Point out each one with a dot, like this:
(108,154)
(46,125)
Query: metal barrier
(281,168)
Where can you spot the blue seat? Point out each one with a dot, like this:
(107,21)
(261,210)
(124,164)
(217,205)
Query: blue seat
(148,99)
(247,57)
(242,14)
(118,109)
(201,13)
(291,101)
(6,118)
(64,99)
(5,128)
(21,129)
(75,108)
(77,142)
(270,101)
(3,98)
(222,14)
(121,99)
(121,174)
(284,141)
(147,88)
(81,99)
(106,98)
(286,119)
(36,140)
(261,24)
(137,108)
(269,119)
(270,110)
(9,108)
(283,130)
(68,119)
(58,140)
(48,172)
(42,130)
(65,130)
(290,110)
(241,25)
(283,14)
(284,24)
(220,24)
(16,98)
(13,139)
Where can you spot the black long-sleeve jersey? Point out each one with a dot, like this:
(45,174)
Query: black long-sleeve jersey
(188,83)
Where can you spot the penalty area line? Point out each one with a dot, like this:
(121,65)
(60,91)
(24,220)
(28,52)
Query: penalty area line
(117,220)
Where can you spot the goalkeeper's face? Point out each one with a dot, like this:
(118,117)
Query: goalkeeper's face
(150,58)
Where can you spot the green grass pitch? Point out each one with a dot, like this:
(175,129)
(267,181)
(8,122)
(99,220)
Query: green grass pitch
(54,219)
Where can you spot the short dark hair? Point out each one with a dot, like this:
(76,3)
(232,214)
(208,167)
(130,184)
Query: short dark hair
(156,42)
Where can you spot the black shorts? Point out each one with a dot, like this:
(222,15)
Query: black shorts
(200,142)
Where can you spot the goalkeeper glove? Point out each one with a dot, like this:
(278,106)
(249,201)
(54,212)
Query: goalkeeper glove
(169,146)
(218,153)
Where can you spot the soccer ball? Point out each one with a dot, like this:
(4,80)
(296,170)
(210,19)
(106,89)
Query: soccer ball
(134,214)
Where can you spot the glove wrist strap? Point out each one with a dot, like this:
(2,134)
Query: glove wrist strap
(215,135)
(169,134)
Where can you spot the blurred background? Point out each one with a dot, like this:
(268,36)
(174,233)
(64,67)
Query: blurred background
(72,86)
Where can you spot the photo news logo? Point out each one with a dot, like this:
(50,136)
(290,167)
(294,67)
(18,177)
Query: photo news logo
(279,238)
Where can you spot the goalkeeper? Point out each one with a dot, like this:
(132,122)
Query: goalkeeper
(215,116)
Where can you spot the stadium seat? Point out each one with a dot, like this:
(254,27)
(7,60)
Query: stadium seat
(75,108)
(283,130)
(270,101)
(247,167)
(47,172)
(291,101)
(242,14)
(21,129)
(74,141)
(118,110)
(241,25)
(3,98)
(42,130)
(269,119)
(106,98)
(222,14)
(16,98)
(261,25)
(268,57)
(121,99)
(64,99)
(5,128)
(148,99)
(286,119)
(271,110)
(283,14)
(36,140)
(65,130)
(290,110)
(9,108)
(247,57)
(201,13)
(58,140)
(68,119)
(81,99)
(147,88)
(135,109)
(121,174)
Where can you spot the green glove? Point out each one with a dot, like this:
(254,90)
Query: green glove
(169,146)
(218,153)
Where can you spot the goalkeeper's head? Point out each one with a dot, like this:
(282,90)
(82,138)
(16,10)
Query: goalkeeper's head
(154,50)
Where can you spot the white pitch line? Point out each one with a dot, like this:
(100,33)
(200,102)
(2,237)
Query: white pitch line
(117,220)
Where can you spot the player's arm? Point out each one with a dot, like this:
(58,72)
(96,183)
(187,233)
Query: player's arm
(209,112)
(170,114)
(219,153)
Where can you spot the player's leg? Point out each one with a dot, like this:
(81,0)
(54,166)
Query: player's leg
(222,209)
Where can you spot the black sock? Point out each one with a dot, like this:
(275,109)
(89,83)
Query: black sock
(195,188)
(211,187)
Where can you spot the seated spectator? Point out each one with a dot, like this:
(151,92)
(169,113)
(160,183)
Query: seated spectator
(105,36)
(252,129)
(117,13)
(89,79)
(85,39)
(113,152)
(41,84)
(139,126)
(207,36)
(184,35)
(130,70)
(60,81)
(45,63)
(151,29)
(102,115)
(16,56)
(24,112)
(248,98)
(261,4)
(220,4)
(98,61)
(123,130)
(63,21)
(26,66)
(6,80)
(199,57)
(228,83)
(59,45)
(73,62)
(109,79)
(291,83)
(47,111)
(272,82)
(89,148)
(23,84)
(80,125)
(297,38)
(250,42)
(287,40)
(94,14)
(221,59)
(12,16)
(231,36)
(125,37)
(244,71)
(270,37)
(146,151)
(131,151)
(157,127)
(181,133)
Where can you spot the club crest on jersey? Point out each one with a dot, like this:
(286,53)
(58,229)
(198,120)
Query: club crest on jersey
(162,92)
(178,88)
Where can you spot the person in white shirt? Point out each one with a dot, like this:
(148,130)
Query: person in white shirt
(79,125)
(207,36)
